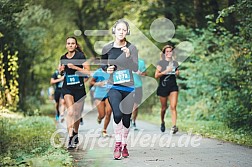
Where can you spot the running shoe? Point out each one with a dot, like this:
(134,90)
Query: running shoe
(174,129)
(118,150)
(76,139)
(134,126)
(71,145)
(81,121)
(125,152)
(162,128)
(57,118)
(62,118)
(104,134)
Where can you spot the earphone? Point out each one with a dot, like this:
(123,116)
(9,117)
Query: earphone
(121,21)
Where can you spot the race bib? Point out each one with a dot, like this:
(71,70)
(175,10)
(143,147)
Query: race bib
(72,79)
(121,76)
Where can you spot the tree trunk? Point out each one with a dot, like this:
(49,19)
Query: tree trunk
(79,23)
(199,15)
(215,8)
(230,20)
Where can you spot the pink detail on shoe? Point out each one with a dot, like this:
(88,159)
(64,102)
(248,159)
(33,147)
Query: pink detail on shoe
(118,150)
(125,152)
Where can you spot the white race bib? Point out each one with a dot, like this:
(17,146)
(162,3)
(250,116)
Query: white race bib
(121,76)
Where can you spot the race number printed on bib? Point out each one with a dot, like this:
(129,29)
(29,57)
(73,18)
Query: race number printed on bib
(121,76)
(72,79)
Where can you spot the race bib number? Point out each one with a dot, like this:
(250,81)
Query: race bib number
(72,79)
(121,76)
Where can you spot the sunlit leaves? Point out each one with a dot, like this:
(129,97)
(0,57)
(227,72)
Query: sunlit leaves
(9,92)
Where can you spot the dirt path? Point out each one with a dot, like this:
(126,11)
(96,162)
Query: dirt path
(149,147)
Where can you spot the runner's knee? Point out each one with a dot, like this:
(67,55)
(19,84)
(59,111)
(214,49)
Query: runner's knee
(164,108)
(173,107)
(126,120)
(117,117)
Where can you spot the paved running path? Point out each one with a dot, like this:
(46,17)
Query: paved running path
(149,147)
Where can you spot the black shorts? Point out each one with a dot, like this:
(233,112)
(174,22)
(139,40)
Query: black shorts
(57,95)
(76,93)
(165,91)
(138,95)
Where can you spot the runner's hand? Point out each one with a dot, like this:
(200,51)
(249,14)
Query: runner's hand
(168,69)
(110,69)
(126,51)
(70,65)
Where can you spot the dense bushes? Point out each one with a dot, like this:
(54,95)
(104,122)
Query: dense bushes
(27,141)
(218,79)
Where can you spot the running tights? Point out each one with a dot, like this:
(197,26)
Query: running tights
(121,103)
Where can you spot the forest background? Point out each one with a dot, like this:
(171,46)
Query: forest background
(215,80)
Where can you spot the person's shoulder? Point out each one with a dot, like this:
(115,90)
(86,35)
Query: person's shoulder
(55,73)
(109,44)
(107,47)
(175,62)
(161,62)
(80,54)
(63,56)
(98,70)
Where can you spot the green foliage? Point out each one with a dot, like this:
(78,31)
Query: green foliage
(25,29)
(239,109)
(211,129)
(34,25)
(31,106)
(47,108)
(9,86)
(188,13)
(26,141)
(218,77)
(242,10)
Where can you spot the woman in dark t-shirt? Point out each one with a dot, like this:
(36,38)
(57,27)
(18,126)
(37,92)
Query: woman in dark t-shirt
(75,67)
(166,71)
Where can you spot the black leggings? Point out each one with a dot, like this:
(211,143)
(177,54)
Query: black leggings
(121,103)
